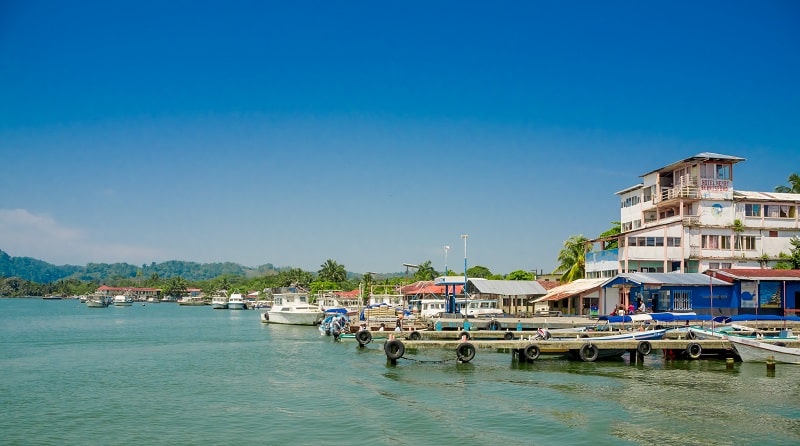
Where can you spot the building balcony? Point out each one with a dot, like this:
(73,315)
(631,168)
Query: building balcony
(683,192)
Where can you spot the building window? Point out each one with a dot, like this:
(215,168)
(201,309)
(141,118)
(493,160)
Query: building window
(673,241)
(752,210)
(724,242)
(780,211)
(773,233)
(709,242)
(682,300)
(746,242)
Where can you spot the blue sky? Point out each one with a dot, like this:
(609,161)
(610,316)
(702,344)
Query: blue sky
(372,133)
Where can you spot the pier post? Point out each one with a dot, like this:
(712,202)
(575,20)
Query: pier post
(770,366)
(729,363)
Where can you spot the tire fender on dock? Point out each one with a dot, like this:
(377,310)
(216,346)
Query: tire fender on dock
(364,337)
(465,352)
(644,348)
(415,336)
(394,349)
(694,350)
(589,353)
(532,352)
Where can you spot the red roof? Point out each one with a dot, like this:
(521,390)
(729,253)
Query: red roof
(127,288)
(427,287)
(755,274)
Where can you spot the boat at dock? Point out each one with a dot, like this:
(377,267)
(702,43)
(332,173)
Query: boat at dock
(123,300)
(236,302)
(292,308)
(754,350)
(219,301)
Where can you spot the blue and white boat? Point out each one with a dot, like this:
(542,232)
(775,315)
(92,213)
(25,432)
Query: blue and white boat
(335,324)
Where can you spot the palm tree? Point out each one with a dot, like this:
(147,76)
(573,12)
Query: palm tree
(794,180)
(572,258)
(332,271)
(425,271)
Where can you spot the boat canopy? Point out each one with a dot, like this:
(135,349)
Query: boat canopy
(755,317)
(656,317)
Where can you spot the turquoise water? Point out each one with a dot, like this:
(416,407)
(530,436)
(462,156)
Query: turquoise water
(166,374)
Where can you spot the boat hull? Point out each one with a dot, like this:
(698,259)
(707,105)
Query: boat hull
(293,317)
(751,350)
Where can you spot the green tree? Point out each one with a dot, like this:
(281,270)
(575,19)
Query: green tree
(616,229)
(176,286)
(519,275)
(425,271)
(572,258)
(479,271)
(791,261)
(794,181)
(332,272)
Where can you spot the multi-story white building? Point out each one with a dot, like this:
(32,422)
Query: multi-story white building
(687,217)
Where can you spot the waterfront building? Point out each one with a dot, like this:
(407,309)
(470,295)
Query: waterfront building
(687,217)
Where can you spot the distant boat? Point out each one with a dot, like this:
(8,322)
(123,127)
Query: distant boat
(191,301)
(219,302)
(236,302)
(122,300)
(98,301)
(753,350)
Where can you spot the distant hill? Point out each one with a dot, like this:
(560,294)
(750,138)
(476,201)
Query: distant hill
(42,272)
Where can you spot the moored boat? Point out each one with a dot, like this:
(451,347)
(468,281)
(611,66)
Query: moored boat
(292,309)
(753,350)
(123,300)
(236,302)
(219,302)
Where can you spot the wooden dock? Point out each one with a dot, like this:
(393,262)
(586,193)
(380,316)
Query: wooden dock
(585,349)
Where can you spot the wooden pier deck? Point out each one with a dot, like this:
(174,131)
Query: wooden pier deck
(585,349)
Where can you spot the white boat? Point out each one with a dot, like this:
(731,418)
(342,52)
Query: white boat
(219,302)
(97,301)
(292,309)
(725,331)
(236,302)
(752,350)
(191,301)
(122,300)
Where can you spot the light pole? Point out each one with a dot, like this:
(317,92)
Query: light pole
(446,248)
(464,236)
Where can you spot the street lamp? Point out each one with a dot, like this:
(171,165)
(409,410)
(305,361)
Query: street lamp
(464,236)
(446,248)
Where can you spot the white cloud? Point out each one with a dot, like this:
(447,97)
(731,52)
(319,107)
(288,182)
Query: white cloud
(25,234)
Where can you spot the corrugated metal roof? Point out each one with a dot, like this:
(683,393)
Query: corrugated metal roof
(668,279)
(759,274)
(703,156)
(765,196)
(571,289)
(508,287)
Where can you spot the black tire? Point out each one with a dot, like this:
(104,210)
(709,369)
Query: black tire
(415,336)
(589,353)
(644,348)
(779,344)
(364,337)
(464,333)
(508,336)
(694,350)
(532,352)
(394,349)
(494,325)
(465,352)
(584,335)
(690,334)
